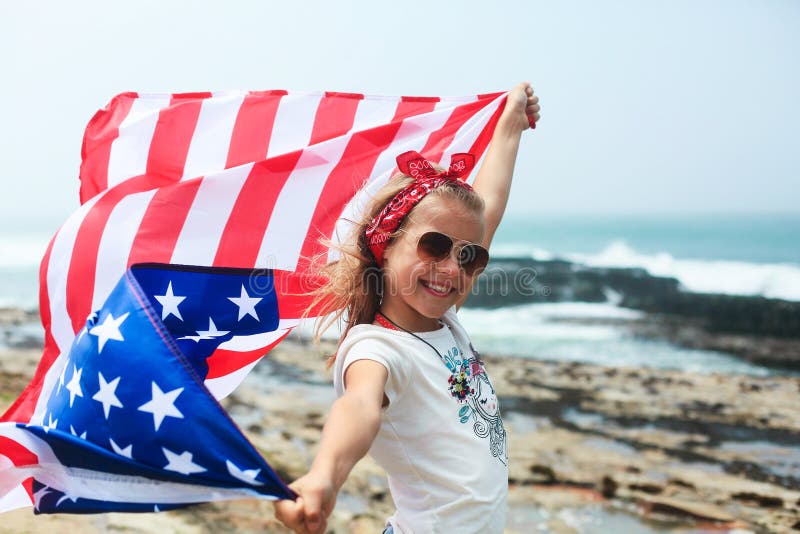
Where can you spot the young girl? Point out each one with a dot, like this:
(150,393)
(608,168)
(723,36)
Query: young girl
(411,388)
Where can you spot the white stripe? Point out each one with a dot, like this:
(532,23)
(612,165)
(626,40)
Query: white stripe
(253,342)
(294,208)
(14,499)
(116,243)
(293,124)
(208,151)
(105,486)
(130,150)
(223,386)
(374,112)
(202,230)
(60,322)
(412,135)
(466,135)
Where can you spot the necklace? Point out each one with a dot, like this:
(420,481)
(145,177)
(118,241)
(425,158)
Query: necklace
(383,320)
(458,382)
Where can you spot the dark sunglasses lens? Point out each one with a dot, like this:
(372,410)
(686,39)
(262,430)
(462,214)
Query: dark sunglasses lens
(434,246)
(473,258)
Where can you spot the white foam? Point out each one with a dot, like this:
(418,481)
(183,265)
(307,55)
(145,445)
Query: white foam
(545,331)
(772,280)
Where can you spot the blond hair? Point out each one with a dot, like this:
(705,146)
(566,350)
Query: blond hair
(354,283)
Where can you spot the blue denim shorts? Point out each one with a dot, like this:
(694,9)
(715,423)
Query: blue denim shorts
(388,530)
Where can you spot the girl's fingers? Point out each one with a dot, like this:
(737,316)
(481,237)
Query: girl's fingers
(290,513)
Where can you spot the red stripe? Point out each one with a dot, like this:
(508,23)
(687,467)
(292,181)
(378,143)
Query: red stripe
(252,130)
(173,135)
(100,134)
(22,409)
(192,96)
(348,176)
(244,231)
(335,115)
(19,455)
(224,362)
(292,290)
(162,222)
(439,140)
(410,106)
(485,137)
(81,274)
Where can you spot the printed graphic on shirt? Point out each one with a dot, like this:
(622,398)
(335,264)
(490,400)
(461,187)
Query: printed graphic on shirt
(470,386)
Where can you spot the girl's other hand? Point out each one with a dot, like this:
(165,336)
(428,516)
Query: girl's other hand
(309,513)
(522,109)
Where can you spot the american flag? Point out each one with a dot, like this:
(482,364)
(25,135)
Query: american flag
(236,180)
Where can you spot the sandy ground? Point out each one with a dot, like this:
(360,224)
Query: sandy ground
(593,449)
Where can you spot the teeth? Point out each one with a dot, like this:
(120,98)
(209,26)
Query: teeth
(440,289)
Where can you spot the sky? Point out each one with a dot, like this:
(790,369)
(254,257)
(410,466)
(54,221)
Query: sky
(647,106)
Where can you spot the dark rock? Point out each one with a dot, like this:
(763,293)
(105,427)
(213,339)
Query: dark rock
(653,489)
(681,483)
(765,331)
(608,487)
(543,474)
(765,501)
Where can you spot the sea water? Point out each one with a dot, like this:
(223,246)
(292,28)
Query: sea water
(734,254)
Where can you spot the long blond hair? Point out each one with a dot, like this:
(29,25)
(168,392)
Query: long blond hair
(354,283)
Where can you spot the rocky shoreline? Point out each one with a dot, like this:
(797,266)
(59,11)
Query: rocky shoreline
(760,330)
(592,448)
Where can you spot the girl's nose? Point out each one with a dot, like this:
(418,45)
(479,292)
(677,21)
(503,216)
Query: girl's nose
(449,265)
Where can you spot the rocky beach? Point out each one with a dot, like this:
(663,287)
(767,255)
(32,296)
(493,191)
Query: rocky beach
(592,448)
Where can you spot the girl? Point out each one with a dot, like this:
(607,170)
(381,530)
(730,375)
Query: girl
(411,388)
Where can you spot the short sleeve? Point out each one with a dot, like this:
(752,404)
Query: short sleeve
(379,351)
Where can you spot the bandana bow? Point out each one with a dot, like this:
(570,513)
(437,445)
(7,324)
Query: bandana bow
(426,179)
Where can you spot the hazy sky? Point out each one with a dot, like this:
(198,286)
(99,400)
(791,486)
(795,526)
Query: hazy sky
(647,106)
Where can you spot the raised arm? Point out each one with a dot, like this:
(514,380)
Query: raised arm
(493,181)
(353,423)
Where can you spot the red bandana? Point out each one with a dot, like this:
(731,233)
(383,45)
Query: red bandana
(426,179)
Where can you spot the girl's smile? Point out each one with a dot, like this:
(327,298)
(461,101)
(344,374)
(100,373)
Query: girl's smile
(418,292)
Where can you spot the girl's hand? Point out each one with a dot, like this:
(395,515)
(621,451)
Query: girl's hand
(522,109)
(309,513)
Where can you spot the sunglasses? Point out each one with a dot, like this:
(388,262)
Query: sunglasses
(433,247)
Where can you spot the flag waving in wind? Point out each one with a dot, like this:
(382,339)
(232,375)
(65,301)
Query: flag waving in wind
(184,265)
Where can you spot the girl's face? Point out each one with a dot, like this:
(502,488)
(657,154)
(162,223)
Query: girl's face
(417,293)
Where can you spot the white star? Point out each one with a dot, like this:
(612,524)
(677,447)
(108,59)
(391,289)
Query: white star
(169,303)
(211,333)
(107,394)
(127,452)
(61,376)
(162,405)
(245,475)
(52,424)
(72,431)
(74,386)
(91,317)
(247,304)
(182,463)
(39,495)
(108,330)
(65,497)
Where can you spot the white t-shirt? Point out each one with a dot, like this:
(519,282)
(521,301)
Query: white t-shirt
(441,440)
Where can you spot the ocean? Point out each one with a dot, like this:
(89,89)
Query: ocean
(734,254)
